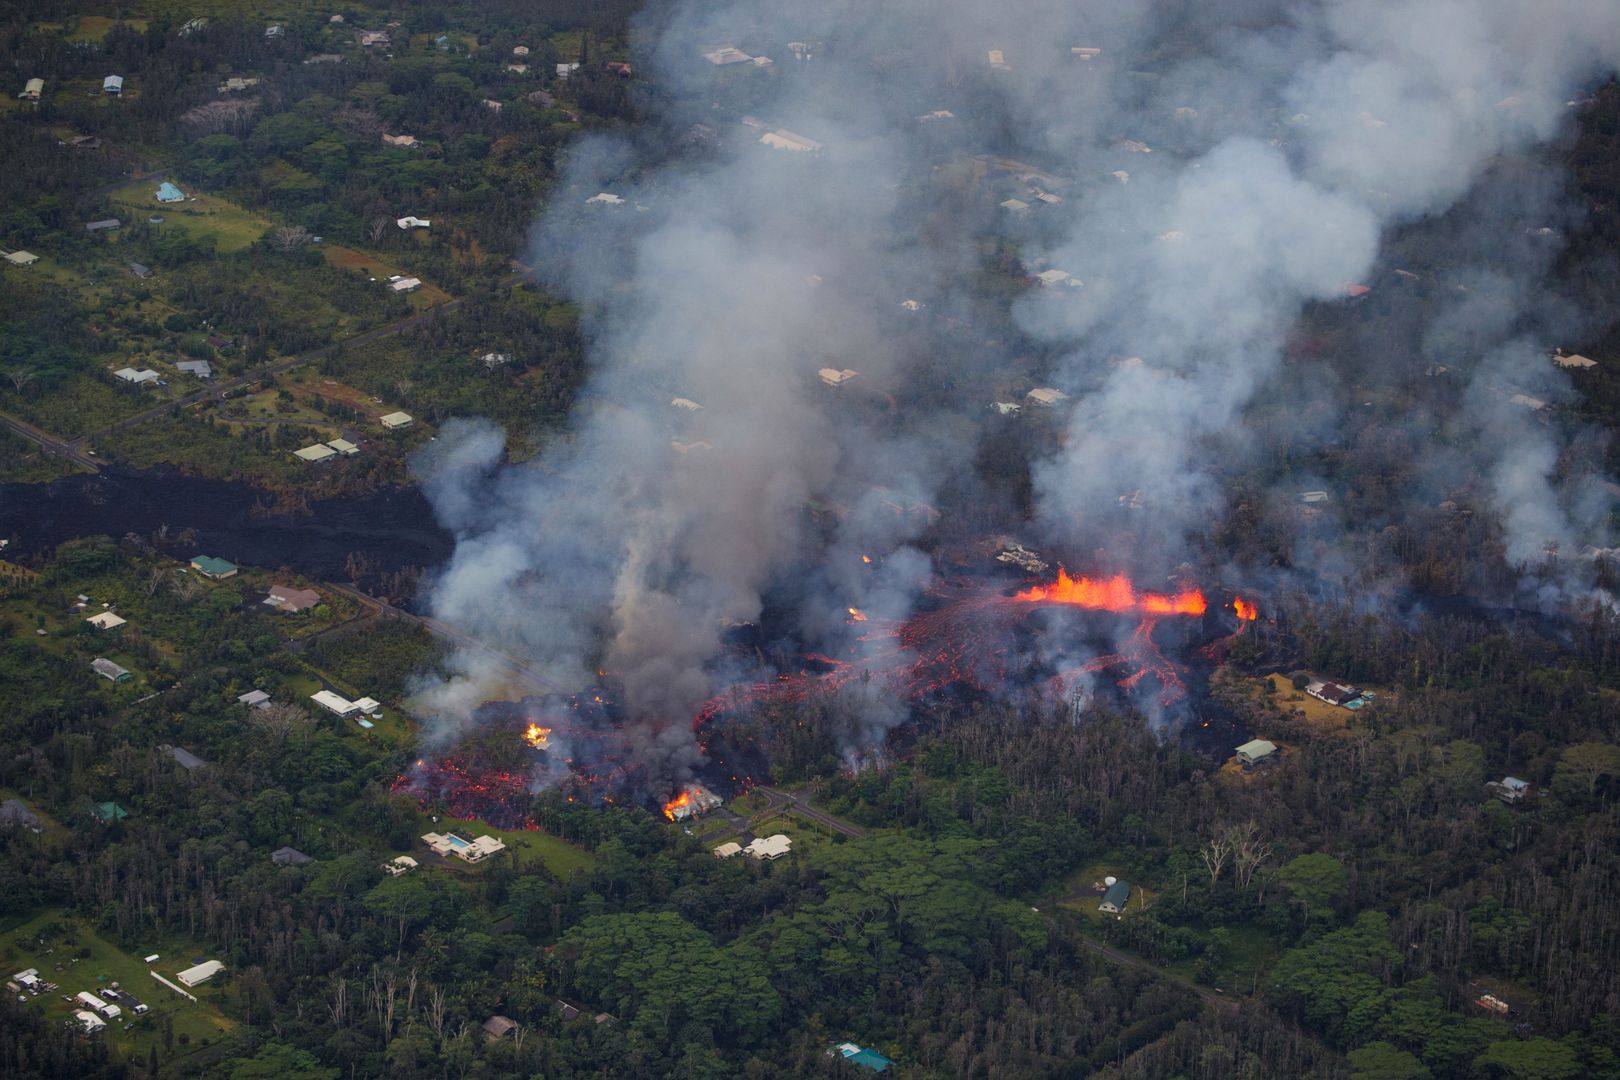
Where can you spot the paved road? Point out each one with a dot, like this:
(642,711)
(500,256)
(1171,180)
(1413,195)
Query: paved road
(800,803)
(1220,1001)
(50,443)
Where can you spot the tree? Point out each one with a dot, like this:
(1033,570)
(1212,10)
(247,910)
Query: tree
(278,1061)
(402,899)
(1214,852)
(1337,980)
(1317,881)
(1384,1061)
(660,972)
(1583,766)
(1529,1059)
(289,238)
(1248,851)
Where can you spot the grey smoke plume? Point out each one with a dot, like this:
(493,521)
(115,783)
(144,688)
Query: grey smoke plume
(1222,168)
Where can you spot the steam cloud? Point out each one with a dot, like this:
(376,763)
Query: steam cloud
(1228,169)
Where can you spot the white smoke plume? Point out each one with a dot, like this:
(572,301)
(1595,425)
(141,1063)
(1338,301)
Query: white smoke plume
(1221,168)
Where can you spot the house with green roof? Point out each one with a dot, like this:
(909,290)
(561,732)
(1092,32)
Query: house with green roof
(109,812)
(216,568)
(1115,899)
(866,1058)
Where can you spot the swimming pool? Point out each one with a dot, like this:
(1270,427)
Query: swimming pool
(455,841)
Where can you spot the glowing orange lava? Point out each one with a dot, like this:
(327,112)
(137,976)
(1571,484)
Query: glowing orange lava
(536,736)
(1113,594)
(679,802)
(1246,611)
(857,614)
(867,559)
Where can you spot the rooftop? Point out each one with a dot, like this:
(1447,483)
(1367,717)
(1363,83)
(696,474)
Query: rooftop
(287,598)
(318,452)
(213,566)
(783,139)
(726,54)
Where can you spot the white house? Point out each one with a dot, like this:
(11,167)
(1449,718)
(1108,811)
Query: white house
(769,847)
(1255,751)
(130,375)
(194,976)
(395,420)
(344,447)
(369,706)
(727,850)
(401,284)
(1047,396)
(605,199)
(835,377)
(22,258)
(106,620)
(112,84)
(413,223)
(110,1011)
(1051,279)
(726,55)
(32,89)
(334,703)
(783,139)
(402,864)
(467,850)
(89,1021)
(685,403)
(407,141)
(316,453)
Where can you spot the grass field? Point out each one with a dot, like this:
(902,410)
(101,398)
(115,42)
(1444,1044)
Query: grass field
(76,958)
(231,227)
(559,856)
(347,258)
(88,27)
(1318,713)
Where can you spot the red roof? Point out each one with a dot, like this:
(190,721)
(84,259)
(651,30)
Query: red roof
(1353,290)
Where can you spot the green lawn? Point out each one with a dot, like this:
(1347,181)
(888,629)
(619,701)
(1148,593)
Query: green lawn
(82,28)
(60,959)
(231,227)
(559,856)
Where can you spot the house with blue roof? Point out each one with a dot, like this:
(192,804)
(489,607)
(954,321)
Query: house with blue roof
(865,1057)
(167,193)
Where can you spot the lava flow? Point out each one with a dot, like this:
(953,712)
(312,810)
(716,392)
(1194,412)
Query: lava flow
(1114,594)
(967,635)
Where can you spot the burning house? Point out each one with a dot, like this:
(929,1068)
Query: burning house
(693,802)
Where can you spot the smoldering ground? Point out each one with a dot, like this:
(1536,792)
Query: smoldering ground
(1226,168)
